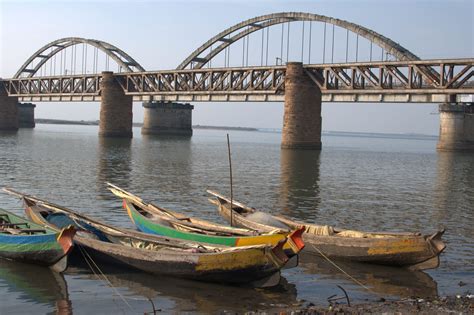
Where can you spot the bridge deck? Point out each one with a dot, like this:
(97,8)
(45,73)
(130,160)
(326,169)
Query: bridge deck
(424,81)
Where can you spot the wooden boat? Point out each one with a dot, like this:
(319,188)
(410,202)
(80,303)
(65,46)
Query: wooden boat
(150,218)
(257,265)
(23,240)
(412,250)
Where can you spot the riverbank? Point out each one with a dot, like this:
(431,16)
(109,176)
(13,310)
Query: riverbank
(440,305)
(135,124)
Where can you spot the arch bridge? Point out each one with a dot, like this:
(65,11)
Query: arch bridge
(399,76)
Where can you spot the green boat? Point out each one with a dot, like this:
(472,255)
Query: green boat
(26,241)
(152,219)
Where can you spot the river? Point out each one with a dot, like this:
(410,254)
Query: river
(358,181)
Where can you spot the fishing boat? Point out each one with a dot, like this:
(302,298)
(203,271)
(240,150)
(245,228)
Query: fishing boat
(26,241)
(257,266)
(412,250)
(150,218)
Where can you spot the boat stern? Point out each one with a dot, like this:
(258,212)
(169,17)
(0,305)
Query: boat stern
(436,241)
(65,239)
(295,240)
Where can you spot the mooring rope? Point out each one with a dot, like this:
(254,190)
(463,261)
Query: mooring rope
(344,272)
(90,267)
(83,250)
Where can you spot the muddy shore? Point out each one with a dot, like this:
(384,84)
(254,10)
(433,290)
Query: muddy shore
(441,305)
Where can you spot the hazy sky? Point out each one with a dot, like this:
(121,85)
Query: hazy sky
(160,34)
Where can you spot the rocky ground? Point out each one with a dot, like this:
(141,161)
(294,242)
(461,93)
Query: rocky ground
(441,305)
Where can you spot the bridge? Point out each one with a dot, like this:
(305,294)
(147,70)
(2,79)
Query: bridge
(397,76)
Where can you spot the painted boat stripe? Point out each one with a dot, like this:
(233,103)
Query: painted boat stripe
(27,239)
(147,226)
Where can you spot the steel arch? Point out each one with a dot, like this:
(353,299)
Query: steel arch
(260,22)
(118,55)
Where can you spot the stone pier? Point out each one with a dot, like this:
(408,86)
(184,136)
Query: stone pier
(8,110)
(167,118)
(302,117)
(26,115)
(456,127)
(115,109)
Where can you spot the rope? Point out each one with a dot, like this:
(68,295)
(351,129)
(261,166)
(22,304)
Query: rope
(344,272)
(83,250)
(90,266)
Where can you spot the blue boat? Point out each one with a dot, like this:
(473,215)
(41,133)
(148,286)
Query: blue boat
(26,241)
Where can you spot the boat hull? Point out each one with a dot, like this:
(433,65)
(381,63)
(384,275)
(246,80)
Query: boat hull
(258,266)
(410,250)
(46,249)
(238,267)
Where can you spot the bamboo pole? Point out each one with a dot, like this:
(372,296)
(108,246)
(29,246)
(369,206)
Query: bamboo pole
(230,175)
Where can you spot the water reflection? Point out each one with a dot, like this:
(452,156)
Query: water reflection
(166,169)
(383,280)
(8,157)
(114,164)
(35,284)
(453,202)
(193,296)
(299,182)
(455,176)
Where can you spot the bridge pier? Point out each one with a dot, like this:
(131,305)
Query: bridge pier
(456,128)
(302,116)
(115,109)
(8,110)
(26,115)
(168,118)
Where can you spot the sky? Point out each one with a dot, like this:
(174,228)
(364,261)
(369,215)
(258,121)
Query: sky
(161,34)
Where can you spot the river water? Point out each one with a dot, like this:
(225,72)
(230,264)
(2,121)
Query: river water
(358,181)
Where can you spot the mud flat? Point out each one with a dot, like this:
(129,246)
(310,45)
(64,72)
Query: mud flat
(441,305)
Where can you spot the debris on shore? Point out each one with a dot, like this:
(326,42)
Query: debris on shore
(439,305)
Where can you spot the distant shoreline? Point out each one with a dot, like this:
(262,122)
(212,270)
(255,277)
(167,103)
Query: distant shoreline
(135,124)
(271,130)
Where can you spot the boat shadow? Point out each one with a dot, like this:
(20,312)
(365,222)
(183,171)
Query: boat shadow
(384,281)
(189,295)
(36,284)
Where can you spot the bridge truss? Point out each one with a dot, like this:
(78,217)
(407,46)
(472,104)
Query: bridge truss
(427,81)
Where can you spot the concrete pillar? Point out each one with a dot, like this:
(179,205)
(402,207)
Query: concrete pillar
(26,115)
(456,127)
(162,118)
(302,117)
(115,109)
(8,110)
